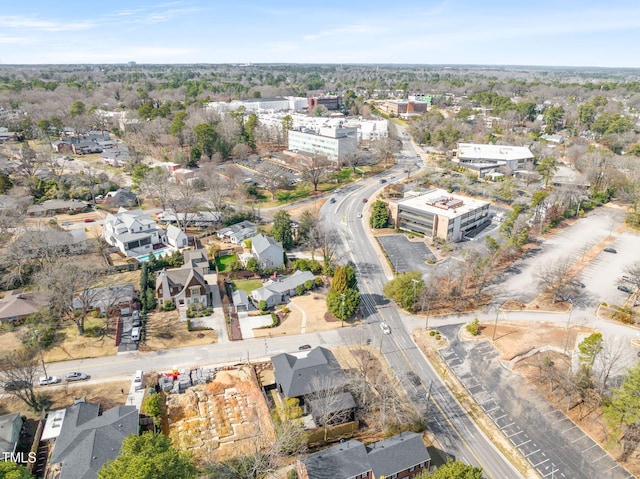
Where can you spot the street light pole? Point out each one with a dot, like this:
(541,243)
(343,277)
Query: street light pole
(566,346)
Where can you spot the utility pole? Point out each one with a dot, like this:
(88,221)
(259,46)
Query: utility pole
(342,296)
(35,332)
(566,346)
(495,324)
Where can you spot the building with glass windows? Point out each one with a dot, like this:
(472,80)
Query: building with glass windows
(335,143)
(439,214)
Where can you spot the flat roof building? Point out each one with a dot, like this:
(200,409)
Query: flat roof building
(439,214)
(483,159)
(333,142)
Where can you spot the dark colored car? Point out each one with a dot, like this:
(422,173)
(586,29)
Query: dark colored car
(15,385)
(624,289)
(89,220)
(577,283)
(609,250)
(413,377)
(364,200)
(304,346)
(332,200)
(383,180)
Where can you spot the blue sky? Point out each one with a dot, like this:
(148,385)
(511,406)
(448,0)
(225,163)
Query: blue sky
(554,33)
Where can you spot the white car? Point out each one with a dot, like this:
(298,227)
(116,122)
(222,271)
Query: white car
(46,380)
(359,215)
(385,327)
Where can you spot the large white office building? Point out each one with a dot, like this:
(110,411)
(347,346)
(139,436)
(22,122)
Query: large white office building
(335,143)
(439,214)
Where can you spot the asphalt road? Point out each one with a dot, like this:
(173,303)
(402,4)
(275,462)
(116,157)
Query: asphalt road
(455,431)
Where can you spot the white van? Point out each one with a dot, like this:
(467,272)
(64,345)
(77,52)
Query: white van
(135,334)
(138,380)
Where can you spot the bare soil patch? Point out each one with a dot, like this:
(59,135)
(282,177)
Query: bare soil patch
(221,419)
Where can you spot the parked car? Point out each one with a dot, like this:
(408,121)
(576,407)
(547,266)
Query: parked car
(46,380)
(89,220)
(304,346)
(66,223)
(577,283)
(385,327)
(135,333)
(628,279)
(138,380)
(15,385)
(624,289)
(609,250)
(135,318)
(75,376)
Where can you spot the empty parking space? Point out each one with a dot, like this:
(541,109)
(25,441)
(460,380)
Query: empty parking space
(406,255)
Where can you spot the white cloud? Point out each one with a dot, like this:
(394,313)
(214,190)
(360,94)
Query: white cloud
(24,22)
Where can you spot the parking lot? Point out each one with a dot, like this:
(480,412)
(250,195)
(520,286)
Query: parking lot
(551,443)
(406,255)
(572,243)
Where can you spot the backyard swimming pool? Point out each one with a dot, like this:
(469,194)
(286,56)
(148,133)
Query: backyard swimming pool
(157,254)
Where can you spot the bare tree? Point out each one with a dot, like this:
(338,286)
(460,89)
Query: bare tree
(315,170)
(156,184)
(19,371)
(273,178)
(553,279)
(610,361)
(330,404)
(71,291)
(385,149)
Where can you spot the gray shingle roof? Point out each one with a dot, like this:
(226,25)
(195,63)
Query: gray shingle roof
(299,374)
(87,440)
(343,461)
(397,453)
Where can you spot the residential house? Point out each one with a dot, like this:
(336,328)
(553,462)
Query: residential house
(6,135)
(81,144)
(85,439)
(238,232)
(17,306)
(10,427)
(176,238)
(398,457)
(133,232)
(201,219)
(119,300)
(54,207)
(268,251)
(186,286)
(279,291)
(304,373)
(240,301)
(122,197)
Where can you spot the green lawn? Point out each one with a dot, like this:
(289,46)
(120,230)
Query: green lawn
(223,262)
(247,285)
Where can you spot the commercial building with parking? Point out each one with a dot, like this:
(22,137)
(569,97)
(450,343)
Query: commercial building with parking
(439,214)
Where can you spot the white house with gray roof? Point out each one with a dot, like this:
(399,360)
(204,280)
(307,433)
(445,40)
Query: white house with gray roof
(268,251)
(280,291)
(135,233)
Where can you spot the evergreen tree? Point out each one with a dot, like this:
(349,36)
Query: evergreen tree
(281,230)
